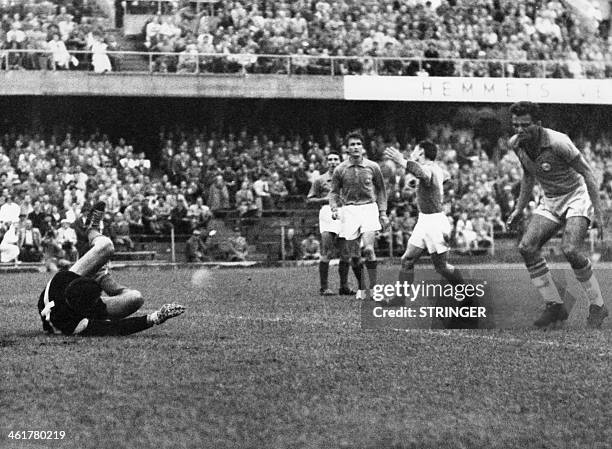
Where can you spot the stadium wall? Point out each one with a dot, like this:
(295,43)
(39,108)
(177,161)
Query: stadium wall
(374,88)
(66,83)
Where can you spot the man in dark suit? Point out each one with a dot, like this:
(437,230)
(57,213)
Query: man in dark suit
(30,243)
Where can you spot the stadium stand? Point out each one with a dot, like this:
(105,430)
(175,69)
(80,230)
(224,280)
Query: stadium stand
(47,35)
(490,35)
(438,38)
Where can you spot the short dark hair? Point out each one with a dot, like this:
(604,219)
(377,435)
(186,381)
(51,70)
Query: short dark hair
(82,295)
(334,153)
(430,149)
(356,134)
(526,108)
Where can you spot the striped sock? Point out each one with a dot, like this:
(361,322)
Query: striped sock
(589,283)
(543,281)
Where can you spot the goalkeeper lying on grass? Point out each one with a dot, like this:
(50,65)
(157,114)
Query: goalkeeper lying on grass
(72,304)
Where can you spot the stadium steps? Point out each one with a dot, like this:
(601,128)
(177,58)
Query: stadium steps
(131,63)
(22,267)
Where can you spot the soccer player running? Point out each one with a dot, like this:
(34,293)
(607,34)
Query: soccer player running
(72,304)
(329,229)
(570,196)
(358,186)
(432,230)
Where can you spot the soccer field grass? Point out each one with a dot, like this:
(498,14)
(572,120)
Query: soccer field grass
(261,360)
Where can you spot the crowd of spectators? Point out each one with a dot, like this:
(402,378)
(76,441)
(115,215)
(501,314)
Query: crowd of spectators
(51,36)
(413,37)
(571,45)
(46,185)
(251,173)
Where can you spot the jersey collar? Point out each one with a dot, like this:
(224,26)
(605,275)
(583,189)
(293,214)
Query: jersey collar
(361,164)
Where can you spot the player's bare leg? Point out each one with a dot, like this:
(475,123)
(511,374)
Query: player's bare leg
(369,255)
(327,248)
(102,248)
(118,306)
(539,231)
(343,267)
(576,229)
(123,304)
(86,233)
(446,270)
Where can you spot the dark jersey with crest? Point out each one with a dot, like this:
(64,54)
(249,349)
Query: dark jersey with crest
(54,311)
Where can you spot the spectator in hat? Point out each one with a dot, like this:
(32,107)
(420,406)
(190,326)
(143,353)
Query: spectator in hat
(195,249)
(67,240)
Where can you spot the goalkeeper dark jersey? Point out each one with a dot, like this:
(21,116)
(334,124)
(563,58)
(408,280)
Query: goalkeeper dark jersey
(58,318)
(54,312)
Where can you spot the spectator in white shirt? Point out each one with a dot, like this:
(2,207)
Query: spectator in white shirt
(9,211)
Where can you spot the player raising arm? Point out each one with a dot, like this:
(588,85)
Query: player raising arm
(72,304)
(570,198)
(432,230)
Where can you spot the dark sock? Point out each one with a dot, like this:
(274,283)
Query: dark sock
(455,277)
(343,269)
(358,270)
(125,326)
(406,276)
(372,274)
(323,272)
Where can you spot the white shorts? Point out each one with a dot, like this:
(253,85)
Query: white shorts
(574,204)
(357,219)
(326,223)
(432,233)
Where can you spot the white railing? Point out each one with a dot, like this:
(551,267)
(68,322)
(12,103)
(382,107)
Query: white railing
(240,64)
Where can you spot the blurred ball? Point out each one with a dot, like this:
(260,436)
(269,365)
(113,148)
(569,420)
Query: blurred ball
(201,278)
(595,257)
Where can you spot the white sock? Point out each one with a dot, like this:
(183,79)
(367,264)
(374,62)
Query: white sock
(593,292)
(547,288)
(589,283)
(153,317)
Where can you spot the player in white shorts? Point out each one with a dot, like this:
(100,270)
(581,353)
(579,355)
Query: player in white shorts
(330,230)
(571,198)
(358,186)
(433,229)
